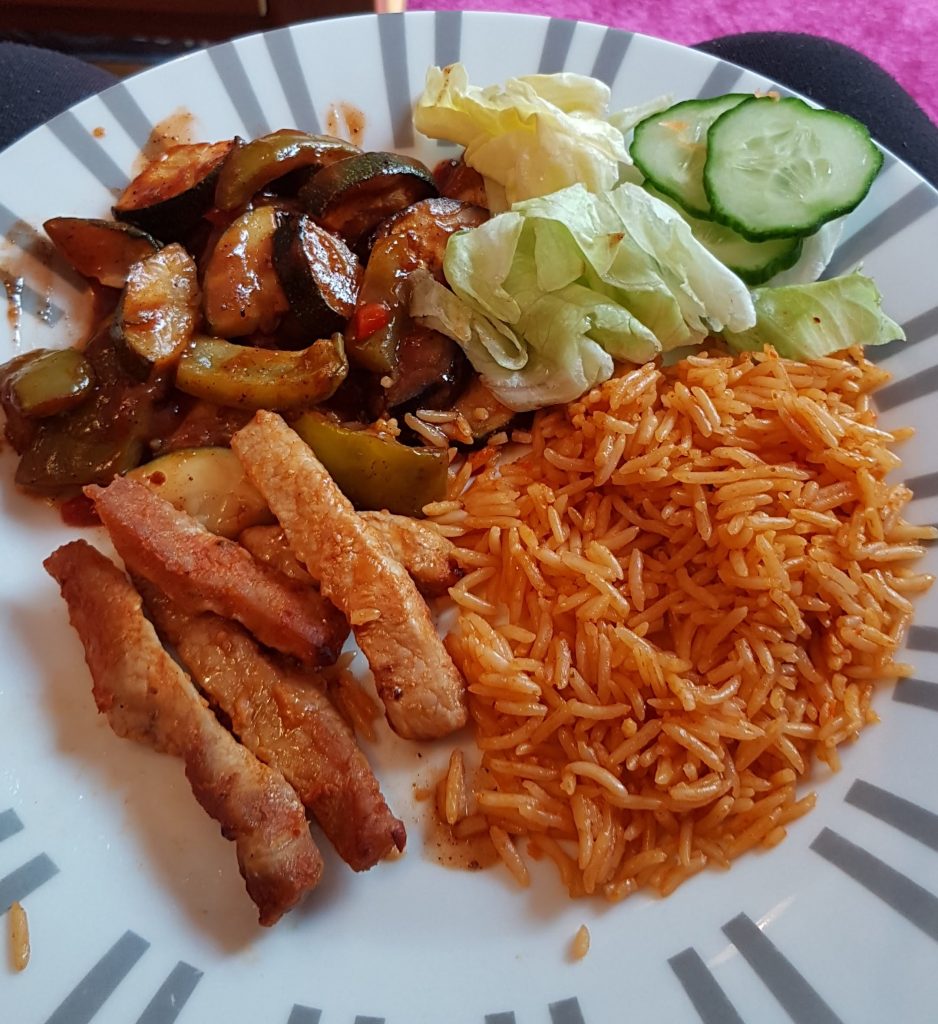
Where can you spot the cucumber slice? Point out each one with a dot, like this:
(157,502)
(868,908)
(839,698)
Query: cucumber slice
(777,168)
(670,148)
(754,262)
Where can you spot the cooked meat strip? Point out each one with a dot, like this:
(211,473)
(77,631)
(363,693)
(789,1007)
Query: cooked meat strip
(426,555)
(283,717)
(207,573)
(422,691)
(147,697)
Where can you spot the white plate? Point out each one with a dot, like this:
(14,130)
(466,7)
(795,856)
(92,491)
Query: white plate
(135,904)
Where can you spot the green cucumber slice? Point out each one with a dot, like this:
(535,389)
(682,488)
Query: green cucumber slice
(754,262)
(777,168)
(670,148)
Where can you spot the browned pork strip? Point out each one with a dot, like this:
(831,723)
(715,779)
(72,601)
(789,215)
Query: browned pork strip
(289,723)
(422,690)
(207,573)
(147,697)
(426,555)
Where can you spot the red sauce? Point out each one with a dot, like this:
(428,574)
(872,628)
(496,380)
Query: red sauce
(346,122)
(174,130)
(98,132)
(79,511)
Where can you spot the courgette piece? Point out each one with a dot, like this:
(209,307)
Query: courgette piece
(374,471)
(171,193)
(257,378)
(103,250)
(353,196)
(255,165)
(209,484)
(484,413)
(777,168)
(241,291)
(49,382)
(424,359)
(670,148)
(159,310)
(319,273)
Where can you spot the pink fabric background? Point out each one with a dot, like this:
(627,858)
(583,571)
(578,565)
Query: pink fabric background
(900,35)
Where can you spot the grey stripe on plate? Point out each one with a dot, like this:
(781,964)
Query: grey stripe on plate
(924,486)
(703,990)
(557,41)
(304,1015)
(888,161)
(567,1011)
(128,114)
(21,234)
(447,37)
(789,986)
(500,1018)
(923,638)
(895,218)
(723,78)
(369,1020)
(908,898)
(286,61)
(10,824)
(172,995)
(920,384)
(93,991)
(611,54)
(76,138)
(27,878)
(920,328)
(917,693)
(393,37)
(235,79)
(916,822)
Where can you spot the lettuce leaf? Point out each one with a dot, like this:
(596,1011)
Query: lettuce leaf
(807,321)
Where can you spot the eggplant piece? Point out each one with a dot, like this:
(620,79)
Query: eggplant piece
(203,425)
(241,291)
(353,196)
(170,195)
(428,224)
(49,382)
(319,274)
(457,180)
(159,310)
(103,250)
(425,359)
(210,485)
(254,166)
(255,378)
(376,472)
(484,413)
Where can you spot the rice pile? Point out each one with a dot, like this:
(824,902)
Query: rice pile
(679,597)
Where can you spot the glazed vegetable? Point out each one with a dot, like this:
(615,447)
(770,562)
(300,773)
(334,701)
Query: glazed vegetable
(209,484)
(241,292)
(253,167)
(103,250)
(484,413)
(159,309)
(374,471)
(319,273)
(47,383)
(171,194)
(257,378)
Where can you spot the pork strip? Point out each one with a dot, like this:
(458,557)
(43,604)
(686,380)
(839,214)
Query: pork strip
(147,697)
(207,573)
(287,721)
(422,691)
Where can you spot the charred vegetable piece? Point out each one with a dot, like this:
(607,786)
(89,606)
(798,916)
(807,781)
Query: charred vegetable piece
(49,383)
(159,309)
(376,472)
(103,250)
(241,292)
(256,378)
(483,411)
(430,222)
(254,166)
(171,193)
(425,358)
(457,180)
(18,429)
(209,484)
(353,196)
(319,274)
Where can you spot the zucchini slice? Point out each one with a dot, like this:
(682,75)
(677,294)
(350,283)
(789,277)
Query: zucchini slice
(103,250)
(241,292)
(255,165)
(670,148)
(484,413)
(319,273)
(353,196)
(427,224)
(171,194)
(159,309)
(47,382)
(777,168)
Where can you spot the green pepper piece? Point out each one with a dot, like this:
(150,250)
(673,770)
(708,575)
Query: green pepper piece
(257,378)
(248,169)
(49,383)
(376,472)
